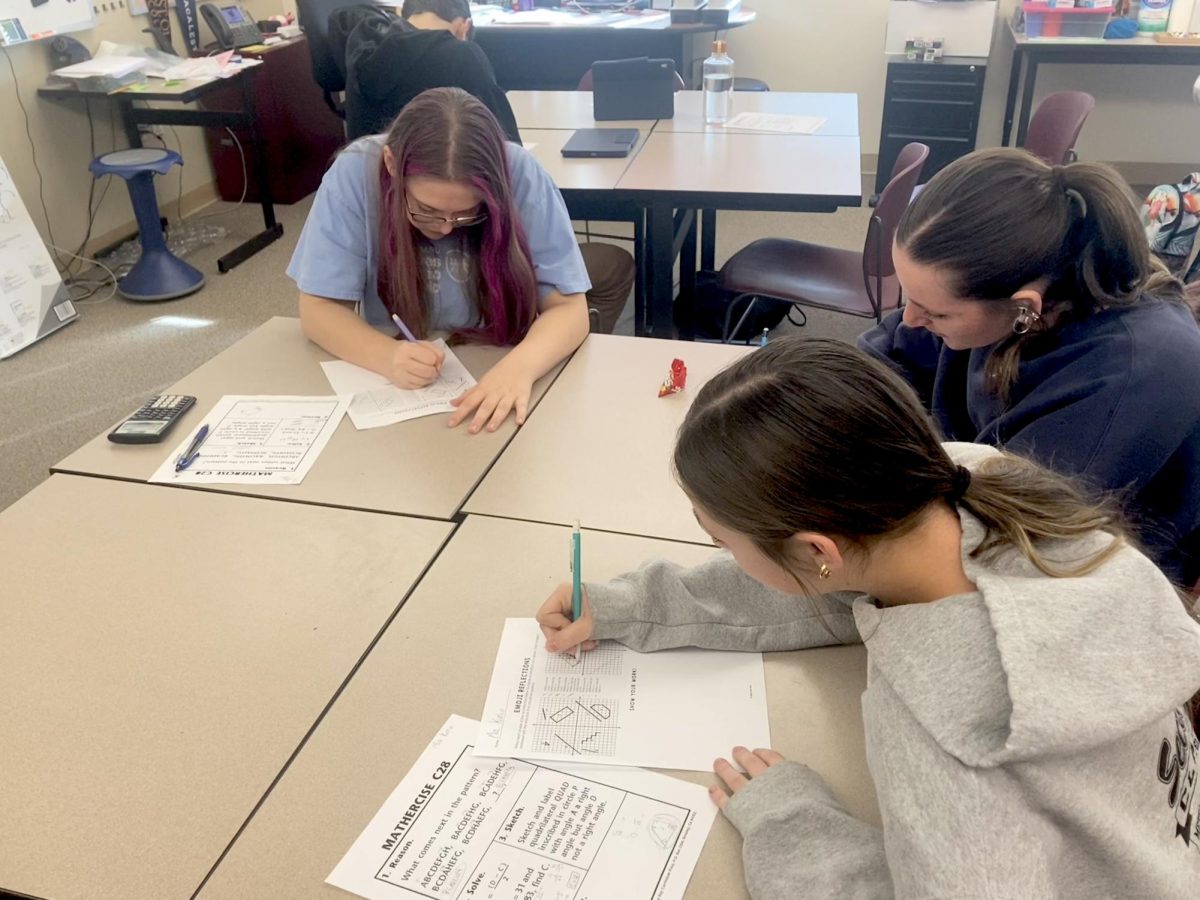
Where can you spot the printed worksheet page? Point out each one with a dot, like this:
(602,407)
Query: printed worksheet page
(674,709)
(504,829)
(377,402)
(257,440)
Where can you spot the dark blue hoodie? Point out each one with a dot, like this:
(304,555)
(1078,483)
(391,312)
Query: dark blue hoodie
(1113,399)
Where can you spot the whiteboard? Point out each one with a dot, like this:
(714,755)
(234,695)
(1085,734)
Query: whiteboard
(32,20)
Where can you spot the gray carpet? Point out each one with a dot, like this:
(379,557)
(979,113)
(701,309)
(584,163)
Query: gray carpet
(62,391)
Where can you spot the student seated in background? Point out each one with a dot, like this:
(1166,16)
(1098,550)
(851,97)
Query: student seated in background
(388,64)
(445,225)
(1028,668)
(1036,320)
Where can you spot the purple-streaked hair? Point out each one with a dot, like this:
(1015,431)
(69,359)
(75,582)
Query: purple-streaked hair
(446,133)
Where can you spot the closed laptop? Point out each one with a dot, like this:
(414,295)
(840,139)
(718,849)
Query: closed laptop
(639,88)
(601,142)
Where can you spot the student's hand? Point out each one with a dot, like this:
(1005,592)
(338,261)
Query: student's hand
(504,389)
(415,364)
(755,762)
(562,635)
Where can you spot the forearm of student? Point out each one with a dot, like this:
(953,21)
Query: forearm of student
(713,605)
(558,330)
(335,327)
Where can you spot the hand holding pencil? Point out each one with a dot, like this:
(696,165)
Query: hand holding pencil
(562,634)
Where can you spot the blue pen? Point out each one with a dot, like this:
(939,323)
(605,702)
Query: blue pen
(188,456)
(408,335)
(576,580)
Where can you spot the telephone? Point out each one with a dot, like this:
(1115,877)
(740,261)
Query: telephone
(231,24)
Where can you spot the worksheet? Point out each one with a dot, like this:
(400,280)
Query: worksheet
(257,440)
(376,401)
(505,829)
(751,121)
(674,709)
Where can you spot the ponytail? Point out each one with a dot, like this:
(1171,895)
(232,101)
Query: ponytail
(996,221)
(813,435)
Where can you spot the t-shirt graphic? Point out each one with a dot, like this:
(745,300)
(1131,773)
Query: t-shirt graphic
(1179,769)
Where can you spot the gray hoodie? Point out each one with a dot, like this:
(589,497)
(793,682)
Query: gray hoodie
(1026,740)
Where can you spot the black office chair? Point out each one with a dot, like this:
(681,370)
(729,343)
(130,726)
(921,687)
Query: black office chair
(313,16)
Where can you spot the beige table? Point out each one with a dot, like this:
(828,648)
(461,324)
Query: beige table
(599,449)
(563,110)
(840,111)
(405,690)
(419,467)
(578,174)
(164,653)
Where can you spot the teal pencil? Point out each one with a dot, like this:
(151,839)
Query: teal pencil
(576,579)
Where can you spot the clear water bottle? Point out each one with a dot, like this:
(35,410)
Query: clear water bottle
(718,85)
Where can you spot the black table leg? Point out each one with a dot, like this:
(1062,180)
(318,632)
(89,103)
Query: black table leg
(640,272)
(272,230)
(660,227)
(708,240)
(132,133)
(686,226)
(1031,67)
(1014,81)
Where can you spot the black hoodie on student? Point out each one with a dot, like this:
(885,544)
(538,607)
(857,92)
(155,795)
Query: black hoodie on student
(390,63)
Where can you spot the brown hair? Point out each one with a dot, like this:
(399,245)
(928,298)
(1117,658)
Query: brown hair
(813,435)
(446,133)
(998,220)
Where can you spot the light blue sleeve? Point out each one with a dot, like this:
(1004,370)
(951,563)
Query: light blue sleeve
(557,262)
(334,257)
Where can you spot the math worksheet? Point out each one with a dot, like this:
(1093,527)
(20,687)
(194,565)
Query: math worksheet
(461,826)
(257,440)
(674,709)
(377,402)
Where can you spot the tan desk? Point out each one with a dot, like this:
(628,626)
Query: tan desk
(419,467)
(563,110)
(840,111)
(599,450)
(164,653)
(405,690)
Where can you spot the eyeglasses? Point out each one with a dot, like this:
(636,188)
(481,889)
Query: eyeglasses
(420,218)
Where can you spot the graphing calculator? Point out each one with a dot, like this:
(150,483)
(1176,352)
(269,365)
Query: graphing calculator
(151,423)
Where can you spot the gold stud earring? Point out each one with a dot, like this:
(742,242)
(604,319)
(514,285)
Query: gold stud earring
(824,571)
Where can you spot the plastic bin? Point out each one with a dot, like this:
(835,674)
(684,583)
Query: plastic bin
(1045,21)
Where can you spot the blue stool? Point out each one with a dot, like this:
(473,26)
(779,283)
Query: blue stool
(159,274)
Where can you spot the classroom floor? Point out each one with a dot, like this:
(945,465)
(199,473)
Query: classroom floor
(67,388)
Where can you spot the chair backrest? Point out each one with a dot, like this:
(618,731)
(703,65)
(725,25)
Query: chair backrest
(877,252)
(585,83)
(313,16)
(1056,124)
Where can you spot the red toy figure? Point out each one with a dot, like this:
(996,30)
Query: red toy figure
(676,379)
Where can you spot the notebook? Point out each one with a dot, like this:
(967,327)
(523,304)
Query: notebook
(606,142)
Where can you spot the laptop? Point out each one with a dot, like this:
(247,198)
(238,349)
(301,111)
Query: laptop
(639,88)
(601,142)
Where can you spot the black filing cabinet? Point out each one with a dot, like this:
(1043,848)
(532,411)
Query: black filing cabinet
(936,103)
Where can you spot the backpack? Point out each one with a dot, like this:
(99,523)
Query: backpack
(712,302)
(1170,217)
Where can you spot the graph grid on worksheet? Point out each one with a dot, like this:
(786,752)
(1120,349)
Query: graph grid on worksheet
(575,724)
(607,659)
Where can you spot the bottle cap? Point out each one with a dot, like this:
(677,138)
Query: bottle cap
(720,47)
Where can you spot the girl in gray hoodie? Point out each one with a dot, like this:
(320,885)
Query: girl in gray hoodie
(1029,671)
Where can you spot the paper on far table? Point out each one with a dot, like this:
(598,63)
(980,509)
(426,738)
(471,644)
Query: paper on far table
(751,121)
(674,709)
(376,401)
(258,440)
(460,826)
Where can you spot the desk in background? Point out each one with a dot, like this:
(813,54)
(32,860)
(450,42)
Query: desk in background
(419,467)
(245,116)
(611,469)
(165,652)
(1028,54)
(406,689)
(554,57)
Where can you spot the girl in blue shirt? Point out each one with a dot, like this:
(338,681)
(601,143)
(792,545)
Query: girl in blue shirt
(444,225)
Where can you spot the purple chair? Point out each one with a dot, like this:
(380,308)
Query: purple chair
(858,283)
(1056,124)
